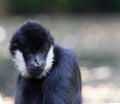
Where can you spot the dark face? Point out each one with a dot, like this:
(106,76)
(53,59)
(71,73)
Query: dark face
(35,57)
(34,46)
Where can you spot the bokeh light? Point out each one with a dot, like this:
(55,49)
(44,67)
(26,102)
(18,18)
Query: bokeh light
(2,33)
(1,100)
(101,73)
(93,36)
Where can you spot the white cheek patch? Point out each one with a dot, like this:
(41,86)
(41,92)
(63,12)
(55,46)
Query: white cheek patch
(20,63)
(49,62)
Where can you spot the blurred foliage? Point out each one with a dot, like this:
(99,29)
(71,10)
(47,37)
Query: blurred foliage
(58,6)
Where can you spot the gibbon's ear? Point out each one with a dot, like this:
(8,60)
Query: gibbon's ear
(12,48)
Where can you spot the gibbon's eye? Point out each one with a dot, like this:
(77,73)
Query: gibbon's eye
(29,52)
(43,51)
(14,46)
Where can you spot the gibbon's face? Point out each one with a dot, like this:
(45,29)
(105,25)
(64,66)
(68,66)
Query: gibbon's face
(32,50)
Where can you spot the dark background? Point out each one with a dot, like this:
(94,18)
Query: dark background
(59,6)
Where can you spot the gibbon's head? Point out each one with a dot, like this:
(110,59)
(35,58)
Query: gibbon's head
(32,49)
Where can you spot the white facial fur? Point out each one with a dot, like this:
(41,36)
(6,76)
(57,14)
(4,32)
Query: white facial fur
(20,63)
(21,66)
(49,62)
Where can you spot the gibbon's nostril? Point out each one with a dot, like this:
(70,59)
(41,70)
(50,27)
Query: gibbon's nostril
(39,63)
(36,62)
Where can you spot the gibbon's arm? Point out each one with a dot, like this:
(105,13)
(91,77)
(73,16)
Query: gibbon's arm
(62,83)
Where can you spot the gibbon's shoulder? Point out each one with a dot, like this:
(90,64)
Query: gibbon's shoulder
(64,52)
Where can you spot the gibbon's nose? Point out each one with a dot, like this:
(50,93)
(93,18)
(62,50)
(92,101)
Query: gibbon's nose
(39,64)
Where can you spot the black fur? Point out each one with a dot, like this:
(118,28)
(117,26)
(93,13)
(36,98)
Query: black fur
(62,85)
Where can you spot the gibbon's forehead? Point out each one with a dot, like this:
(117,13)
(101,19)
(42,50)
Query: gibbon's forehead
(32,34)
(33,31)
(30,42)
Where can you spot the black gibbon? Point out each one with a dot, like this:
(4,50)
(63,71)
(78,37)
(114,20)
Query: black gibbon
(49,73)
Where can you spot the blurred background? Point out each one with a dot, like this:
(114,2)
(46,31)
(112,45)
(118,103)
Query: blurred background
(90,27)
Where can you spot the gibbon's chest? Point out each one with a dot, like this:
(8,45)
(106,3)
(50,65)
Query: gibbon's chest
(32,91)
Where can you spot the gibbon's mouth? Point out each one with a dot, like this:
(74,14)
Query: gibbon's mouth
(35,72)
(39,68)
